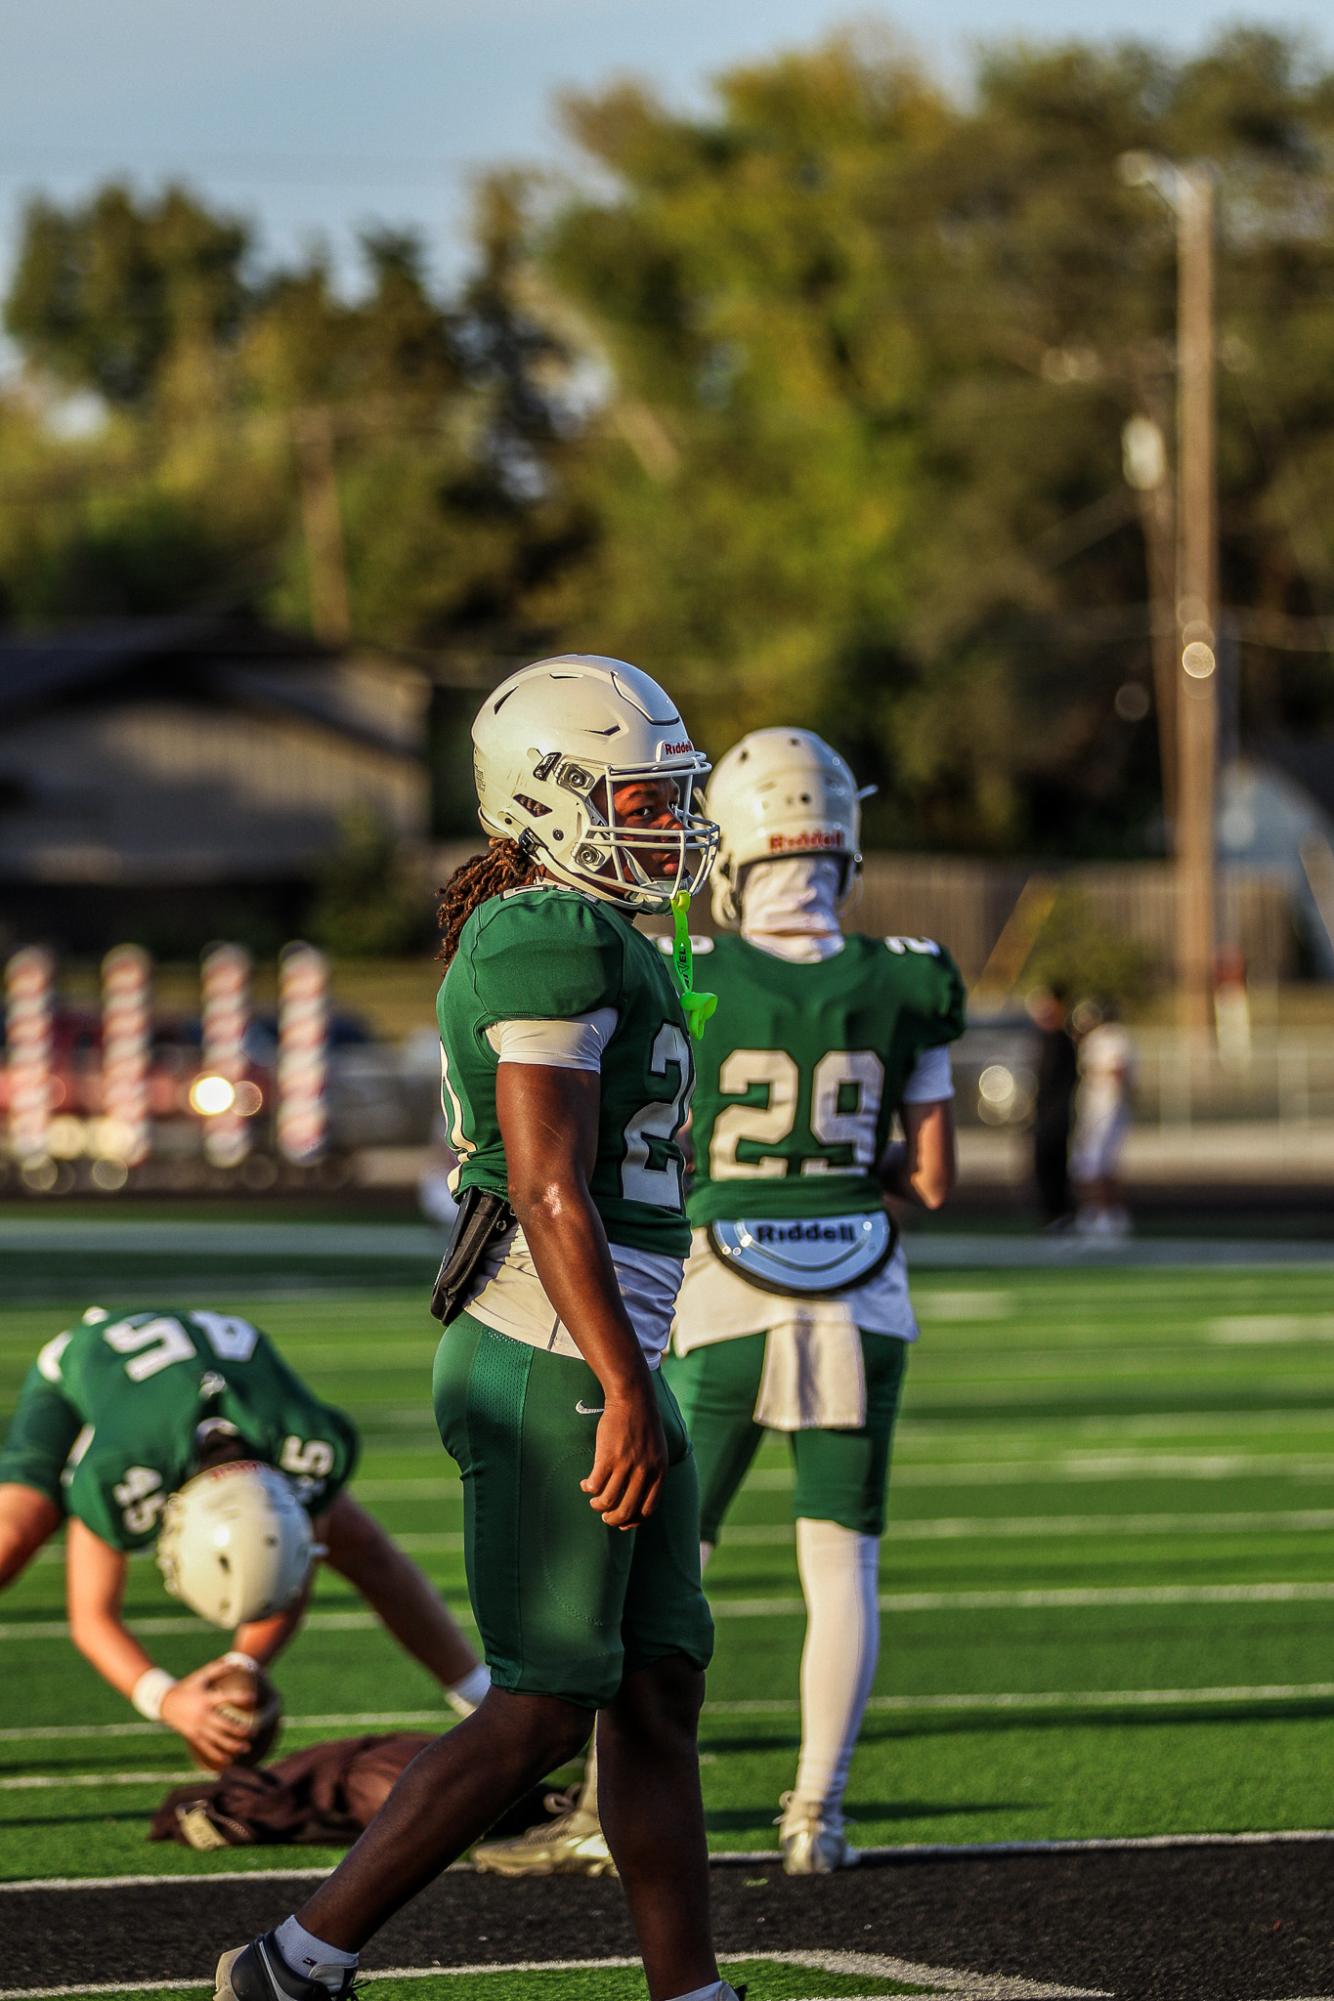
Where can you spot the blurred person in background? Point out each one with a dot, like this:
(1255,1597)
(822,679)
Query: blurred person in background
(124,1430)
(1102,1118)
(1057,1070)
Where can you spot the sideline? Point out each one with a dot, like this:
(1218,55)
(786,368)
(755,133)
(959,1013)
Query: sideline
(918,1851)
(936,1250)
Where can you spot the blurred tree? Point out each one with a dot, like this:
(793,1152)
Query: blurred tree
(813,401)
(106,295)
(372,901)
(872,349)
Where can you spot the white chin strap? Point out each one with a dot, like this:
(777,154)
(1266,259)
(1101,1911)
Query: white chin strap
(798,896)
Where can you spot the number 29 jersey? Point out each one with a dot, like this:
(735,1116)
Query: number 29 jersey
(113,1405)
(795,1097)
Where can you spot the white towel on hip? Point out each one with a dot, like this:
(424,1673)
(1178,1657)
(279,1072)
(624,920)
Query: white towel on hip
(814,1378)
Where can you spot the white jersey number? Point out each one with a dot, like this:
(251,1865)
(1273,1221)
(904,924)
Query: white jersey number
(641,1181)
(846,1091)
(154,1344)
(766,1124)
(847,1088)
(140,1499)
(150,1345)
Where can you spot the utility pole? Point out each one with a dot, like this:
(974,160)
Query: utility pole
(326,557)
(1197,592)
(1189,193)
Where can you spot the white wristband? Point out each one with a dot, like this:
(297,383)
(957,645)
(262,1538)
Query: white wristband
(151,1691)
(247,1661)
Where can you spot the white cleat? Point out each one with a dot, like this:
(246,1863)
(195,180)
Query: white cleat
(572,1845)
(814,1840)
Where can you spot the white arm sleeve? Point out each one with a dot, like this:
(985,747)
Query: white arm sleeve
(576,1044)
(930,1078)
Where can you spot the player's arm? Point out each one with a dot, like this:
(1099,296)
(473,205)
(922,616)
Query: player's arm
(95,1594)
(396,1590)
(43,1430)
(27,1519)
(922,1167)
(262,1640)
(549,1125)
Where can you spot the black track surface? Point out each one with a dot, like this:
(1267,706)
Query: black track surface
(1182,1924)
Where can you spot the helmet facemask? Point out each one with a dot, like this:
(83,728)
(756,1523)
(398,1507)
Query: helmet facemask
(596,851)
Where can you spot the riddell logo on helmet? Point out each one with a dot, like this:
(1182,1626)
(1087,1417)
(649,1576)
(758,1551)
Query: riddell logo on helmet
(821,839)
(683,749)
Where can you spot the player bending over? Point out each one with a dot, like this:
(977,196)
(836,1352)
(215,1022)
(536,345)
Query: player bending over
(567,1067)
(794,1313)
(192,1420)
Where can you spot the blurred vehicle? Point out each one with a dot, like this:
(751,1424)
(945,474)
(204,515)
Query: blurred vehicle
(370,1102)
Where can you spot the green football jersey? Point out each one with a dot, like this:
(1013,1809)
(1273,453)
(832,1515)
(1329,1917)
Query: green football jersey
(135,1388)
(547,954)
(796,1096)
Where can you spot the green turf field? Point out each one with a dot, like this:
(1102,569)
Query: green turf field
(1108,1585)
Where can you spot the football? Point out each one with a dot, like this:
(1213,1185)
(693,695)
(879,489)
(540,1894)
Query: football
(251,1700)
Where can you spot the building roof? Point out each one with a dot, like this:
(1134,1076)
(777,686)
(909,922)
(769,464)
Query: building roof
(219,658)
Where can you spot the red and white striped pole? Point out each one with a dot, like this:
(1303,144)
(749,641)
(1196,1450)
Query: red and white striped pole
(29,987)
(303,1064)
(127,1027)
(225,1011)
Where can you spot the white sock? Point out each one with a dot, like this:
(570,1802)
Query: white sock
(310,1956)
(717,1990)
(839,1579)
(466,1695)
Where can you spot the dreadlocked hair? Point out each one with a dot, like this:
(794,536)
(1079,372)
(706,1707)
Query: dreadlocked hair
(503,866)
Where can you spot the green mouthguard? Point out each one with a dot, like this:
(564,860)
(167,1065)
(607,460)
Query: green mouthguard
(696,1008)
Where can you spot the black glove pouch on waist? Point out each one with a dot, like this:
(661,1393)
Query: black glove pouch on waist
(483,1216)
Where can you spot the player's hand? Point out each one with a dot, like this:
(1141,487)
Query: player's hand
(191,1708)
(630,1459)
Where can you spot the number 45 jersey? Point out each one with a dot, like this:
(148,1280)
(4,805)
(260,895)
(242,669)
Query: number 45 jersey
(106,1420)
(803,1069)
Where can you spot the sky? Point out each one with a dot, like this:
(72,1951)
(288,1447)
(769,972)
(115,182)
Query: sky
(313,116)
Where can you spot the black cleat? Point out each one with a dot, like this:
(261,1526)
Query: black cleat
(258,1972)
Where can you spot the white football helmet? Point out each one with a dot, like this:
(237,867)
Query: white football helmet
(777,794)
(236,1544)
(549,747)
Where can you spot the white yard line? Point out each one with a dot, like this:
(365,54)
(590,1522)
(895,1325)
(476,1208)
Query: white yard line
(56,1782)
(910,1472)
(929,1981)
(897,1602)
(981,1699)
(965,1528)
(940,1251)
(1258,1329)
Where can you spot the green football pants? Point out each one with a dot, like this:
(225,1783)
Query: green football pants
(841,1476)
(565,1605)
